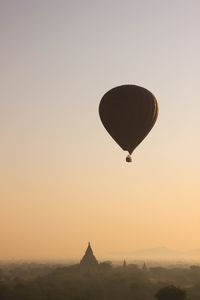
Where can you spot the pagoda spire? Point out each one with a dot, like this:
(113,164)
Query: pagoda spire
(124,264)
(144,267)
(89,260)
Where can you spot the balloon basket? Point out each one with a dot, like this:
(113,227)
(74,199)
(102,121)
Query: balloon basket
(128,159)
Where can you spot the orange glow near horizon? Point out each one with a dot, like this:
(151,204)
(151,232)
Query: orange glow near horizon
(64,181)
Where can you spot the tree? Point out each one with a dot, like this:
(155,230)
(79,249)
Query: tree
(171,293)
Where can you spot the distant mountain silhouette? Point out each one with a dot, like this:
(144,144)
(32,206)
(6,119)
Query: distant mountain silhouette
(194,252)
(161,252)
(158,251)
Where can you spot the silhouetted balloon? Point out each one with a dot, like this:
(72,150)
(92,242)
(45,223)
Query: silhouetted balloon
(128,112)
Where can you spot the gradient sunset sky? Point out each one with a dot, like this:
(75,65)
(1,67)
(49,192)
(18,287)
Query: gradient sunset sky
(64,181)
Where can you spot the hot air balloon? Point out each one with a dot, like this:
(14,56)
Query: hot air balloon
(128,113)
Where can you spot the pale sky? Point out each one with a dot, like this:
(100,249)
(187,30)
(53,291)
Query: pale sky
(64,181)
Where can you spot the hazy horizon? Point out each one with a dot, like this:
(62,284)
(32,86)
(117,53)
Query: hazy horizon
(64,181)
(156,254)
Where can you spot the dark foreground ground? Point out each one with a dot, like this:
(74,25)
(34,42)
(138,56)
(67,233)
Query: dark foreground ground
(55,282)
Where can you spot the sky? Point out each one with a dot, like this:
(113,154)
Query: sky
(64,181)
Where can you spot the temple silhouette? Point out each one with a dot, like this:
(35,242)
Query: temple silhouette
(89,260)
(90,263)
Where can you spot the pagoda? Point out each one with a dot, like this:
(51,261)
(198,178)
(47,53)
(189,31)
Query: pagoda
(124,264)
(144,267)
(89,260)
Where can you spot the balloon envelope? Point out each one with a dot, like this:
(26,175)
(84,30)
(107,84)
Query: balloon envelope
(128,112)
